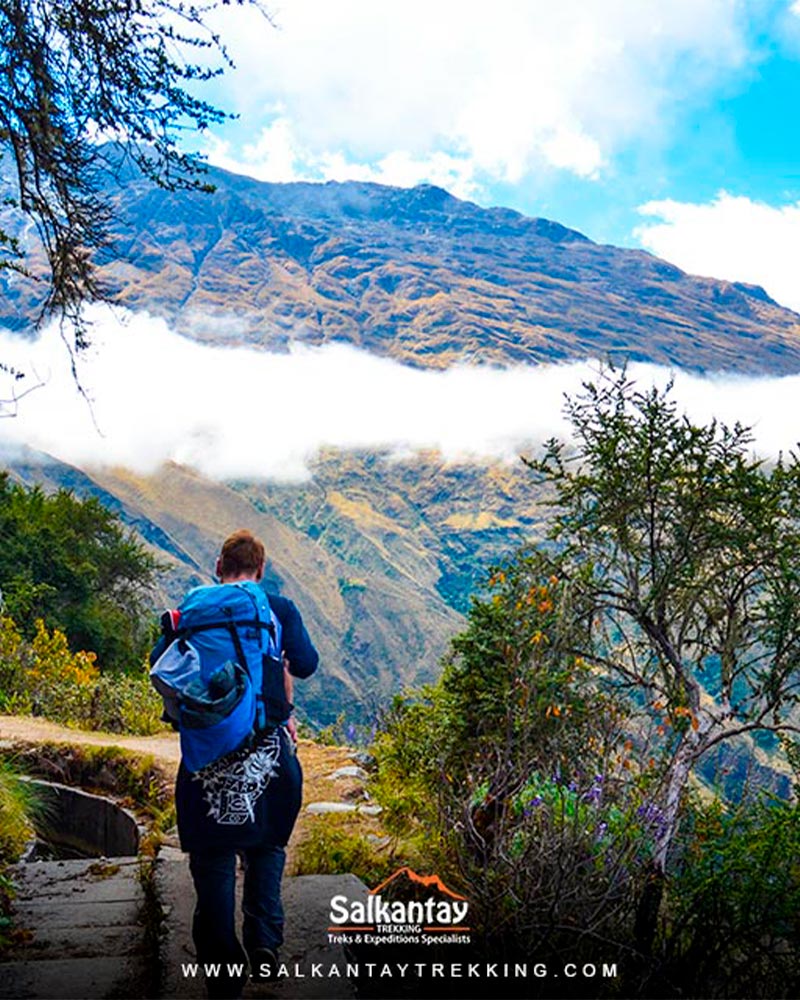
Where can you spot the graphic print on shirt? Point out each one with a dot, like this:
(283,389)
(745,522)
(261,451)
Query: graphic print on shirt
(233,784)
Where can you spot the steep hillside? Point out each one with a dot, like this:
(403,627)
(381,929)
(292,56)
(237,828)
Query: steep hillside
(417,275)
(380,556)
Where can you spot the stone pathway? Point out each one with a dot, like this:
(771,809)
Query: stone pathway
(86,933)
(88,938)
(306,901)
(93,929)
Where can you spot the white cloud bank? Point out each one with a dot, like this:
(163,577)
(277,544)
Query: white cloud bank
(732,238)
(465,94)
(233,412)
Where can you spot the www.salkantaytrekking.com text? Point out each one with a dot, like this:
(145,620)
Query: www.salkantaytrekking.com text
(407,970)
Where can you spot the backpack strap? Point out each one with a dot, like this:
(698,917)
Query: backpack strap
(261,708)
(239,622)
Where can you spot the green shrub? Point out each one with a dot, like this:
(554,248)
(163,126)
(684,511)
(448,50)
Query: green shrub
(734,902)
(17,806)
(44,677)
(332,846)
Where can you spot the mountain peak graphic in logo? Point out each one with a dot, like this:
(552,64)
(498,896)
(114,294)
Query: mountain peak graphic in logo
(409,875)
(419,907)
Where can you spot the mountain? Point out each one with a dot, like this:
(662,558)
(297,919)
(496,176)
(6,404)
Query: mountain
(380,555)
(417,275)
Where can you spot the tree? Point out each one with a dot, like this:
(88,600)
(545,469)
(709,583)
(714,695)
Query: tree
(681,554)
(71,563)
(76,72)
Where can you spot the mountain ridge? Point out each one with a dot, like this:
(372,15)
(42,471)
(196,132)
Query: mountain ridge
(417,275)
(382,555)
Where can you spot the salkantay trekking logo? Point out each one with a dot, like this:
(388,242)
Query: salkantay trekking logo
(436,914)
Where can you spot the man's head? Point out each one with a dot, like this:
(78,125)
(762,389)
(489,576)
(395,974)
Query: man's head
(241,558)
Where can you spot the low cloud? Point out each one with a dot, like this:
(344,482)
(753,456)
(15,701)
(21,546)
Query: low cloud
(239,412)
(732,238)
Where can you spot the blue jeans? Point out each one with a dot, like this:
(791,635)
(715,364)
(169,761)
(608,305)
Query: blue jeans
(214,925)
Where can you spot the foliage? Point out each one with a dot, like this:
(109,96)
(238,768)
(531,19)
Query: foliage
(546,770)
(511,775)
(70,562)
(734,903)
(332,846)
(17,806)
(507,697)
(341,732)
(680,553)
(44,677)
(74,73)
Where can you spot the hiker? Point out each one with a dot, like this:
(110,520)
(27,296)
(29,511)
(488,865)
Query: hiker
(245,802)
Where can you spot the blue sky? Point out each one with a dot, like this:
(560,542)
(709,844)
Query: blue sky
(666,124)
(672,127)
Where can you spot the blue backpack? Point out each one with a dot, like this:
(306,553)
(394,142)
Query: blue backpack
(221,676)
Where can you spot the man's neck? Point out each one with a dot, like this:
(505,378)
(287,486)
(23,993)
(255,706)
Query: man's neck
(239,579)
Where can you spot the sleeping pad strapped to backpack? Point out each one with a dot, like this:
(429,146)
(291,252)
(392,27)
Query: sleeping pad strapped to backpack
(221,676)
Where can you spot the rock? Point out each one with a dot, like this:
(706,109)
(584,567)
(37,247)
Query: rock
(366,760)
(318,808)
(350,771)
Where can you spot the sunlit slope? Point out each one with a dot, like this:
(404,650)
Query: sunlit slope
(414,274)
(425,278)
(381,556)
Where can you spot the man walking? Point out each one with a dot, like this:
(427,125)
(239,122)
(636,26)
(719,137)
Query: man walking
(245,803)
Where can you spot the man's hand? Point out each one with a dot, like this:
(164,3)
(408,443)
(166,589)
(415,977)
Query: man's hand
(288,683)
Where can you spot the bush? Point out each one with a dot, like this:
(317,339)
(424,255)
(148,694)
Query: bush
(43,677)
(332,846)
(533,788)
(512,777)
(733,922)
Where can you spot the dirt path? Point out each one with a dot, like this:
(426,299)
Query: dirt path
(164,746)
(318,761)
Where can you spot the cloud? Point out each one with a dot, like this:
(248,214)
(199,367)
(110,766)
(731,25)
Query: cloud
(278,156)
(239,412)
(732,238)
(503,91)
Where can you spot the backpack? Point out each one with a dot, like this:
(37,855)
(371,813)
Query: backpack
(221,675)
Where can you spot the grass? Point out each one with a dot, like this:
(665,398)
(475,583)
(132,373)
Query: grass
(18,807)
(135,779)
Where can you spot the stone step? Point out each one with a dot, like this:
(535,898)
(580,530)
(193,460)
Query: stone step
(72,979)
(83,927)
(306,901)
(87,934)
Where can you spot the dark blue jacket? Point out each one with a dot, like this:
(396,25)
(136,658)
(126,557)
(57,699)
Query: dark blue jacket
(297,646)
